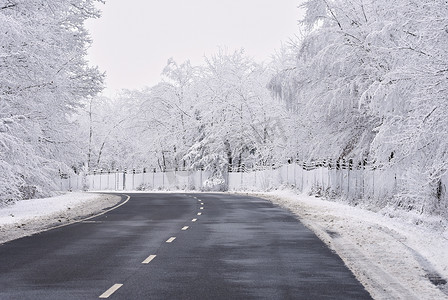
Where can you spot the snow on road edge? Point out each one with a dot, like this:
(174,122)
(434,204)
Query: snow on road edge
(391,257)
(28,217)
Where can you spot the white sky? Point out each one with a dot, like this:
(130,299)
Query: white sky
(133,39)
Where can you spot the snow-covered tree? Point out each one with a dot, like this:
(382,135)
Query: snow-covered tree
(212,116)
(43,77)
(370,82)
(238,123)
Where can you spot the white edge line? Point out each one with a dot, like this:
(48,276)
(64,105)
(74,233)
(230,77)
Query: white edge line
(111,209)
(77,221)
(110,291)
(149,259)
(91,217)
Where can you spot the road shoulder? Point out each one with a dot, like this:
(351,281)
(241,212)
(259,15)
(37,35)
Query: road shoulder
(29,217)
(393,259)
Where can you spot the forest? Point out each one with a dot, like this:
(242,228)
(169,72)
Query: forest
(361,81)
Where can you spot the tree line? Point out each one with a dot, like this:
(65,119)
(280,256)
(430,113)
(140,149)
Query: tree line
(360,81)
(212,116)
(369,80)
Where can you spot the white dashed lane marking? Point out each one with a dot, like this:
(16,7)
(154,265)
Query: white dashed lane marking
(185,227)
(201,208)
(171,239)
(148,260)
(199,214)
(110,291)
(194,220)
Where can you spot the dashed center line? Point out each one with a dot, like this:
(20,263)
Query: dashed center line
(201,208)
(110,291)
(185,227)
(199,214)
(171,239)
(148,260)
(194,220)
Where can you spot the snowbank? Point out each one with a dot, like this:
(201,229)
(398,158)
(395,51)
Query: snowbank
(28,217)
(393,256)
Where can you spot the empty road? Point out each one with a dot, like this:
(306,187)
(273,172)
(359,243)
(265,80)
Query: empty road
(178,246)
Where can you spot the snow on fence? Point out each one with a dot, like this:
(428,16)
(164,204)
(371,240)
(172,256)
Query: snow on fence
(134,180)
(333,179)
(343,179)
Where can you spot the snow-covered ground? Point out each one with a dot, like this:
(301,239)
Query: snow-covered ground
(395,256)
(28,217)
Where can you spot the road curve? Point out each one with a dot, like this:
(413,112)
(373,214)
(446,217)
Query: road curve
(178,246)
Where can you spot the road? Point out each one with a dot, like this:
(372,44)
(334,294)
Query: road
(178,246)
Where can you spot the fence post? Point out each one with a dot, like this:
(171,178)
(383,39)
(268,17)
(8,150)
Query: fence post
(295,173)
(117,180)
(153,178)
(322,177)
(101,175)
(341,173)
(124,179)
(133,178)
(301,178)
(241,180)
(176,182)
(348,181)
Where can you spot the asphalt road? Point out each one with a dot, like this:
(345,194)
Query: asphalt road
(222,247)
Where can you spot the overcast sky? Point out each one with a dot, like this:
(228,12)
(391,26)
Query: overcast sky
(133,39)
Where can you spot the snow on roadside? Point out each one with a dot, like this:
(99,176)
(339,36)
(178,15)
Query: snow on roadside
(28,217)
(392,257)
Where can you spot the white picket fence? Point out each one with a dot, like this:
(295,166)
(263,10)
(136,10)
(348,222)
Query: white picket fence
(125,181)
(346,181)
(350,183)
